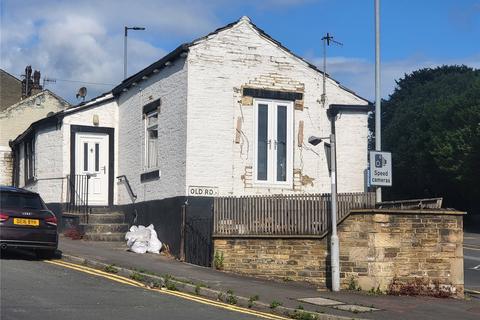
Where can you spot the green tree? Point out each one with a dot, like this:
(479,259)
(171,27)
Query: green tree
(431,124)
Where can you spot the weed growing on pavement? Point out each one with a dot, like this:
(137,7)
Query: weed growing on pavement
(375,291)
(137,276)
(230,299)
(303,315)
(220,296)
(218,260)
(252,299)
(300,307)
(353,284)
(168,283)
(275,304)
(198,286)
(110,269)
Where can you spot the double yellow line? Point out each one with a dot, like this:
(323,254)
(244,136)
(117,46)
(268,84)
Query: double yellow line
(178,294)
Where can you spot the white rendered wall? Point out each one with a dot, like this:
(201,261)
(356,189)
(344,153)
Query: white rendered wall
(107,113)
(170,85)
(217,69)
(48,182)
(52,152)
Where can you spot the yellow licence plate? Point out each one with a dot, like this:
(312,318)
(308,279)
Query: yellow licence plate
(26,222)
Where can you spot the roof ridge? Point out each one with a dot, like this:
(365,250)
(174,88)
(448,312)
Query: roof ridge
(32,97)
(185,47)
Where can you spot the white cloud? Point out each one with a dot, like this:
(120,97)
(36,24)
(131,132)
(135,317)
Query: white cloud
(84,40)
(359,74)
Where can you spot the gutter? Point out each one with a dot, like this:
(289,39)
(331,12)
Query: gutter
(335,109)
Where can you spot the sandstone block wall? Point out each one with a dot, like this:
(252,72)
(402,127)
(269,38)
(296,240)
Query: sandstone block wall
(284,259)
(375,248)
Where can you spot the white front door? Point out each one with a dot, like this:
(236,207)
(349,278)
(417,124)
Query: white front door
(92,159)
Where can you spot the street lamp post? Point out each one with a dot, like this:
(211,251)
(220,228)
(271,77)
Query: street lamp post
(378,99)
(334,244)
(125,48)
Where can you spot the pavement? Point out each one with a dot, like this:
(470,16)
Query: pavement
(288,294)
(33,289)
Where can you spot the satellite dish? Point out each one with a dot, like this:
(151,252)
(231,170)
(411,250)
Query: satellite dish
(82,93)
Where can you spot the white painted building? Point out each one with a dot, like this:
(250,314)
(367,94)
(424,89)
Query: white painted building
(227,114)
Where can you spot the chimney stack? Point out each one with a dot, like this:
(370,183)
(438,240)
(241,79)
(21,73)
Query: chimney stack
(30,86)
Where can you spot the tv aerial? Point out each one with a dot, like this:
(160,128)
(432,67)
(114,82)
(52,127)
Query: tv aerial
(82,93)
(327,39)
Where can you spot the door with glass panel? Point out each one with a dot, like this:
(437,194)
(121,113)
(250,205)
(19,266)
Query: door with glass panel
(92,159)
(273,143)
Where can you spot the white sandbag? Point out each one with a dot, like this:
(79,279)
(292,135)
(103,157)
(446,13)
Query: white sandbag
(154,245)
(138,239)
(139,247)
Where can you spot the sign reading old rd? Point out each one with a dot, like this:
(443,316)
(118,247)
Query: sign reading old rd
(380,168)
(202,191)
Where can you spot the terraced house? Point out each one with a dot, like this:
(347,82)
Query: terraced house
(226,114)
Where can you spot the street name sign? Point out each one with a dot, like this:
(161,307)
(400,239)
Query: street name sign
(380,168)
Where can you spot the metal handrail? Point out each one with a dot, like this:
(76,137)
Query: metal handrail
(78,186)
(129,188)
(133,196)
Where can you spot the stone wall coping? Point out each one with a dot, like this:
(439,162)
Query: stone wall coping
(267,236)
(409,211)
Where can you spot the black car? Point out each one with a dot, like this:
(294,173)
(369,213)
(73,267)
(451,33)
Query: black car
(26,222)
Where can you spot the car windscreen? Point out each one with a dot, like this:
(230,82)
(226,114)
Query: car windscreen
(13,200)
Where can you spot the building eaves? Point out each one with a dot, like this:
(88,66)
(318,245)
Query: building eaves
(100,98)
(154,67)
(44,122)
(58,116)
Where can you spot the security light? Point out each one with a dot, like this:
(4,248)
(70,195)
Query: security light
(313,140)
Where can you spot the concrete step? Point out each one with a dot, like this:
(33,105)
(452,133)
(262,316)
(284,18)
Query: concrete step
(95,218)
(105,210)
(104,236)
(104,227)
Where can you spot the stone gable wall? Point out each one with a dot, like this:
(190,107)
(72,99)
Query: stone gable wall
(221,140)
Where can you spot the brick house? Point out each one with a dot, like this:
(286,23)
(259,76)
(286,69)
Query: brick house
(19,107)
(226,114)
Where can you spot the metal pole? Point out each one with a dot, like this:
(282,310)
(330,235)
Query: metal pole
(324,98)
(334,245)
(125,54)
(182,233)
(378,126)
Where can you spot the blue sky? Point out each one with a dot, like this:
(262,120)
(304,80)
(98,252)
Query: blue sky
(82,40)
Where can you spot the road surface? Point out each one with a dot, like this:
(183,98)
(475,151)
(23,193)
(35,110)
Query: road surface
(33,289)
(471,255)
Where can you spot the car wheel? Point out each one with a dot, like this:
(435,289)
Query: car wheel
(45,253)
